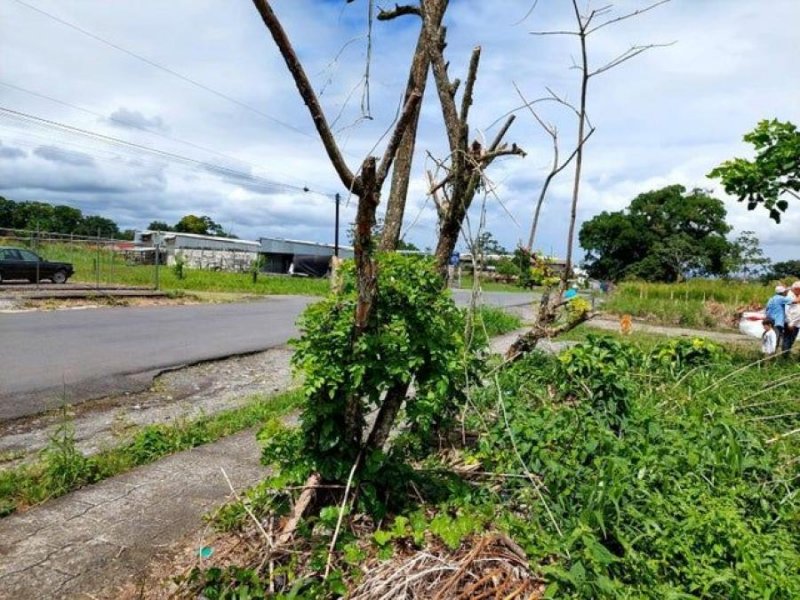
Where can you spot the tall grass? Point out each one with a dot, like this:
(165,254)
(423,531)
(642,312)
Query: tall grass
(695,303)
(735,293)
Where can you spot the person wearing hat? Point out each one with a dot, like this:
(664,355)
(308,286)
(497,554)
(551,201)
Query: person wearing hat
(776,310)
(792,318)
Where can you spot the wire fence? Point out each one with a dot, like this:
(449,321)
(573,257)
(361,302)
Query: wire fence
(97,261)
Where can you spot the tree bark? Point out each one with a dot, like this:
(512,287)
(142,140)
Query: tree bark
(401,175)
(386,416)
(579,155)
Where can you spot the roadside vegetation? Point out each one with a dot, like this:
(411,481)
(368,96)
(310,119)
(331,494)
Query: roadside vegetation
(62,468)
(702,303)
(640,468)
(495,321)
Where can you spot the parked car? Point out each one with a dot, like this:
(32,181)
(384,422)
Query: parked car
(19,263)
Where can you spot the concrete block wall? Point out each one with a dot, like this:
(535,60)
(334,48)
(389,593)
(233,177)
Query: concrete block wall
(214,260)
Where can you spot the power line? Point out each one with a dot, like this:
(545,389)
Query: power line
(170,156)
(165,69)
(127,123)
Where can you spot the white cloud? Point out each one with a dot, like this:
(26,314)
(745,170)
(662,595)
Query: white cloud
(667,117)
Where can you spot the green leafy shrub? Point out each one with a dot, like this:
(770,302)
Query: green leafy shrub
(679,353)
(597,370)
(65,467)
(686,501)
(177,268)
(416,333)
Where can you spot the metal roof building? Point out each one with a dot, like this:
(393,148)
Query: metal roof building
(193,241)
(281,246)
(281,254)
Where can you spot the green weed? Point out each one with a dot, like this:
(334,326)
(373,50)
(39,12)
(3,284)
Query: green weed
(678,495)
(63,468)
(490,321)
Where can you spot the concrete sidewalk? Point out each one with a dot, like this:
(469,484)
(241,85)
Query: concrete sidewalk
(90,542)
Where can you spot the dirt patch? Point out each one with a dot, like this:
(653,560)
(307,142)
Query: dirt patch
(729,337)
(104,302)
(181,394)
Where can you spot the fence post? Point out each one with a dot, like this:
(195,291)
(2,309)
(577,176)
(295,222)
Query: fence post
(158,262)
(97,270)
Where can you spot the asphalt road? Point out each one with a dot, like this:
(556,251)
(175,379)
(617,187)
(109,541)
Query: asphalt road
(48,358)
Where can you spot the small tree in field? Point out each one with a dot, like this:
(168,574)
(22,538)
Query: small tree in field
(587,23)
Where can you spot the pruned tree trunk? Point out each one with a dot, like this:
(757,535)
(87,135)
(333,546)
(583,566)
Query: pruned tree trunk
(366,186)
(401,174)
(387,415)
(467,162)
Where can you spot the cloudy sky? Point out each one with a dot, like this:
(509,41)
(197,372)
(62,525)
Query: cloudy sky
(205,119)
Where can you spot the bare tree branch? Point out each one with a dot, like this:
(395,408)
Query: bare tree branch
(469,86)
(307,93)
(543,33)
(627,16)
(557,166)
(502,133)
(443,86)
(527,14)
(630,53)
(401,173)
(503,150)
(547,312)
(398,11)
(391,149)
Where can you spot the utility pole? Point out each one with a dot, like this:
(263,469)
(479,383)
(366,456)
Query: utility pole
(336,231)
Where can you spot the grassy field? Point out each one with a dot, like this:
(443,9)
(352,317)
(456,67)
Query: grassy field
(695,303)
(490,286)
(115,271)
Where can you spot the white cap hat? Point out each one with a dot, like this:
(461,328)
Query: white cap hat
(796,285)
(779,289)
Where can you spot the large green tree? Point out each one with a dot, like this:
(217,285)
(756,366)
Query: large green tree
(43,217)
(664,235)
(159,226)
(747,258)
(203,225)
(772,175)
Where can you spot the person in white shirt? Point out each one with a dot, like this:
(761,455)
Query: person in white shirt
(792,325)
(769,339)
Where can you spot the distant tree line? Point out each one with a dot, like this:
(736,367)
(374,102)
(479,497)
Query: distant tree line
(40,216)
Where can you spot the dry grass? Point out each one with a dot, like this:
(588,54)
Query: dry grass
(490,566)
